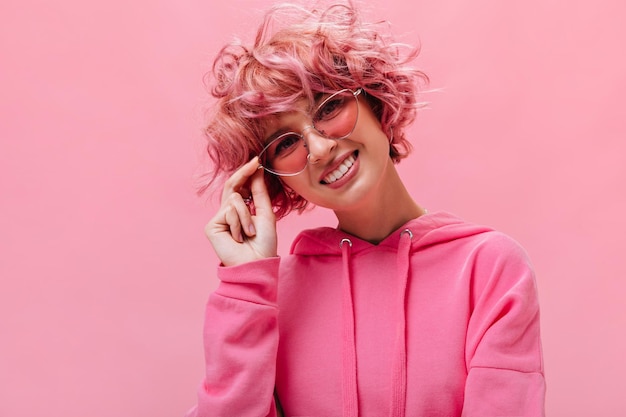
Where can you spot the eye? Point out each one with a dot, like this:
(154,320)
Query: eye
(330,108)
(285,144)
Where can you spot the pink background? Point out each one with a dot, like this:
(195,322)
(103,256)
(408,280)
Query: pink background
(103,262)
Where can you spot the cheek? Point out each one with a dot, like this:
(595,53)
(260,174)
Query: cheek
(302,185)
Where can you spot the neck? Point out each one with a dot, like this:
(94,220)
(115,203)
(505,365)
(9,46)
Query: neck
(380,214)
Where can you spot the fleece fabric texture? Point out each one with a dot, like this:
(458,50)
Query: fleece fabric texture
(439,319)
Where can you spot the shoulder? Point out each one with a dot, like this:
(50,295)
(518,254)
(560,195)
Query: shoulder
(495,247)
(501,266)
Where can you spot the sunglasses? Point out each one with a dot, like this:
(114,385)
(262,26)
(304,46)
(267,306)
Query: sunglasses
(334,118)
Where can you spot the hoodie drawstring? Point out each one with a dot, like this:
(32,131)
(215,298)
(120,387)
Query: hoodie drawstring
(399,361)
(349,382)
(398,370)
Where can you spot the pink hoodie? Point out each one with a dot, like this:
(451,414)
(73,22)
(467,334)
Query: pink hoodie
(439,319)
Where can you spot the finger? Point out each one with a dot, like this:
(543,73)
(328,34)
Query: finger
(232,219)
(239,178)
(260,196)
(245,213)
(239,218)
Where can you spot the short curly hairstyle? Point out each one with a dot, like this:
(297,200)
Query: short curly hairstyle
(311,52)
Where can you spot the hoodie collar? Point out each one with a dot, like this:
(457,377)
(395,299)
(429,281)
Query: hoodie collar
(428,229)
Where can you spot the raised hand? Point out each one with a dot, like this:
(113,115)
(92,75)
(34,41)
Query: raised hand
(237,233)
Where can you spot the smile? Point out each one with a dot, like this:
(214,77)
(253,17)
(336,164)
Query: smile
(340,171)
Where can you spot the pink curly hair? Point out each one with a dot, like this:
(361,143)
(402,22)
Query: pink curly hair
(316,51)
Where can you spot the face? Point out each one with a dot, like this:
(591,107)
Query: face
(342,174)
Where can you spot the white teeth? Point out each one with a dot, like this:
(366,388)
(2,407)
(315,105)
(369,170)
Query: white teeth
(340,171)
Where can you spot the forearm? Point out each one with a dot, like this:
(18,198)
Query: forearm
(241,341)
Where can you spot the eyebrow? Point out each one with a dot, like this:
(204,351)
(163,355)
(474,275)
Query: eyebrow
(277,134)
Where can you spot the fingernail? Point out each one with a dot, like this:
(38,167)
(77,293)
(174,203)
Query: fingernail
(252,230)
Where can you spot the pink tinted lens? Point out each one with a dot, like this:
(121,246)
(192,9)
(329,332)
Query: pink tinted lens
(286,154)
(336,116)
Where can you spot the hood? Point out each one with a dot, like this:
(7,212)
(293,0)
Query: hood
(427,230)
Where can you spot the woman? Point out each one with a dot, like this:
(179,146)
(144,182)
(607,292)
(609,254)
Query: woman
(394,312)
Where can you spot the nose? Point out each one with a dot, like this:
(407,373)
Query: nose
(319,147)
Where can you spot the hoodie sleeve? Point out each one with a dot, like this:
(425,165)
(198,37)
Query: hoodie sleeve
(503,346)
(240,343)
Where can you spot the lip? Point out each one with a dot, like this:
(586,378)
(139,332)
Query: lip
(347,176)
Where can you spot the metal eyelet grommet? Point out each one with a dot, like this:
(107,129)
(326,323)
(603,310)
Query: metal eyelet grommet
(344,241)
(407,231)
